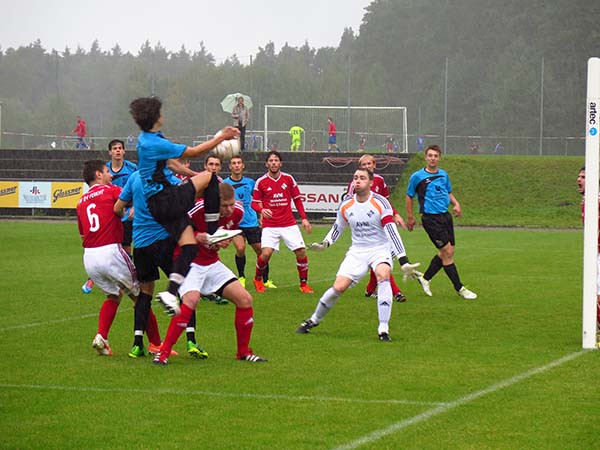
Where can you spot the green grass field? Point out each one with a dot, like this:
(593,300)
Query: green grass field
(503,371)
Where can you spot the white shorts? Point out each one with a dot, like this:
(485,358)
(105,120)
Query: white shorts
(111,269)
(292,237)
(358,261)
(206,279)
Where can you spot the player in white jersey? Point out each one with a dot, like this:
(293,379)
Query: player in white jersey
(370,217)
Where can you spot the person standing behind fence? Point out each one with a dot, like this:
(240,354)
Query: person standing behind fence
(332,135)
(296,133)
(241,115)
(81,131)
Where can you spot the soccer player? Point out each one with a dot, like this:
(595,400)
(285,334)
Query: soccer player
(169,203)
(249,225)
(296,133)
(581,189)
(104,259)
(374,234)
(378,186)
(272,198)
(208,274)
(153,250)
(432,186)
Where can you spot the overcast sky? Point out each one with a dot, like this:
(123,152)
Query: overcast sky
(225,26)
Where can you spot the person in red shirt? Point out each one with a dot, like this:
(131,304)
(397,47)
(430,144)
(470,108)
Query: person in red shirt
(81,131)
(272,199)
(367,162)
(209,275)
(581,189)
(104,259)
(332,135)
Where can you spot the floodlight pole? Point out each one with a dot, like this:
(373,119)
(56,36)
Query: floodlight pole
(542,109)
(349,110)
(590,235)
(445,149)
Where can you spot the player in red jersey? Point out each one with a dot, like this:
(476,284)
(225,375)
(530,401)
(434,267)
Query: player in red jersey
(272,198)
(367,162)
(209,275)
(104,259)
(581,189)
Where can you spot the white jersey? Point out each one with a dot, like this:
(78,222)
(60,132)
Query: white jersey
(371,222)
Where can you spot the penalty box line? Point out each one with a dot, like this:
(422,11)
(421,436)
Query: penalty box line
(238,395)
(395,427)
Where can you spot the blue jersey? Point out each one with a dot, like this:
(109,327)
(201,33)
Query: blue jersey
(432,189)
(153,151)
(243,192)
(120,178)
(146,230)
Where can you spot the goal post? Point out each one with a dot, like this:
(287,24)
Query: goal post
(373,129)
(590,234)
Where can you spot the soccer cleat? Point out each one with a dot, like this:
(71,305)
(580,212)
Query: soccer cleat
(222,235)
(306,289)
(242,281)
(87,286)
(306,326)
(370,294)
(169,303)
(259,285)
(465,293)
(155,350)
(384,337)
(252,358)
(400,297)
(215,298)
(269,284)
(101,345)
(160,361)
(195,351)
(425,285)
(136,352)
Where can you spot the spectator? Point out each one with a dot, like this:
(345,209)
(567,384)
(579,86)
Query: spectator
(81,131)
(332,135)
(241,115)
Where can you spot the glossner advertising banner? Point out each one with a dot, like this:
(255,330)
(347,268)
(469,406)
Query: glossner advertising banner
(9,194)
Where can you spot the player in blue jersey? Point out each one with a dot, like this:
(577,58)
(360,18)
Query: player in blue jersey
(169,203)
(249,225)
(153,250)
(432,187)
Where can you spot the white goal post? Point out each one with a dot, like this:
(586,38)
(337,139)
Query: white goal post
(590,234)
(373,129)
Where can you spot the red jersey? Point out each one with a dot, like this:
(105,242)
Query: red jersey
(207,256)
(332,129)
(277,195)
(96,219)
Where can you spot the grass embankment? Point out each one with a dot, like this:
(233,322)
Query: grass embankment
(509,191)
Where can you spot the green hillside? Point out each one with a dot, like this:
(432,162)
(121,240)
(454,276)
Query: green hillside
(511,191)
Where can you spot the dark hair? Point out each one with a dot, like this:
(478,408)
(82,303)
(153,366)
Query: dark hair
(236,157)
(275,153)
(115,142)
(582,169)
(435,148)
(369,173)
(145,111)
(214,156)
(90,168)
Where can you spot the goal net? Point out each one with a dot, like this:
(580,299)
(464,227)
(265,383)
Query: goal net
(371,129)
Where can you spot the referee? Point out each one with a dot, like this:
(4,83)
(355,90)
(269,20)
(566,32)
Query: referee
(432,186)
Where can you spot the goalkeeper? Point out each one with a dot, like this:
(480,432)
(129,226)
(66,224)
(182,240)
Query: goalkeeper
(296,134)
(374,237)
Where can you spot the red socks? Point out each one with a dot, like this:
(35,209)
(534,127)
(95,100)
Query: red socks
(108,311)
(152,329)
(244,322)
(302,266)
(177,325)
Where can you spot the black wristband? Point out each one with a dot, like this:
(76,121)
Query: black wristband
(403,260)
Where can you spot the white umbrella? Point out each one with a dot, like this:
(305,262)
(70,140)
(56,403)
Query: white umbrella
(229,102)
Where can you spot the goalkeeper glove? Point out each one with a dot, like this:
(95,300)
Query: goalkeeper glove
(408,270)
(319,246)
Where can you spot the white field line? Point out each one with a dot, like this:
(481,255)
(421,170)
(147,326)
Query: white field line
(51,322)
(395,427)
(235,395)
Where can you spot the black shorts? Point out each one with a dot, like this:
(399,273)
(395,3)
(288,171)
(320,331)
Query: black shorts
(149,259)
(252,234)
(439,227)
(170,207)
(127,233)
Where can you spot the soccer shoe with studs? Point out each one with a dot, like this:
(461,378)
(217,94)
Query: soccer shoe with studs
(400,297)
(425,285)
(259,285)
(465,293)
(160,361)
(155,350)
(87,286)
(136,352)
(169,302)
(252,358)
(306,326)
(370,294)
(269,284)
(221,235)
(195,351)
(101,345)
(384,337)
(242,281)
(306,289)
